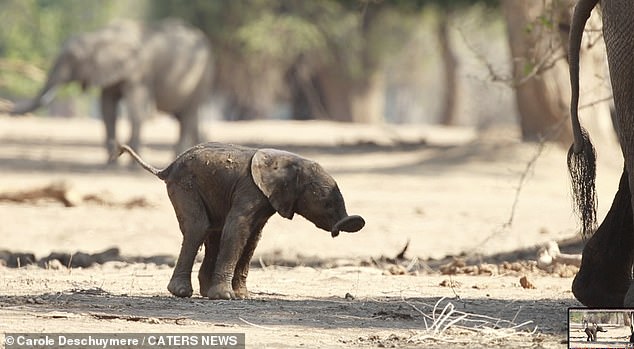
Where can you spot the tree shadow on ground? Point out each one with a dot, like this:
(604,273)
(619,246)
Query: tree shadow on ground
(270,310)
(43,162)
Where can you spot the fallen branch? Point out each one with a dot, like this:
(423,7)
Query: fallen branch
(60,191)
(550,254)
(56,191)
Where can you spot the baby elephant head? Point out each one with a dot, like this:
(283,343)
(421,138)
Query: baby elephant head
(297,185)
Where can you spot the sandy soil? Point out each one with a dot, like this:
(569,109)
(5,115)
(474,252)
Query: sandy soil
(448,191)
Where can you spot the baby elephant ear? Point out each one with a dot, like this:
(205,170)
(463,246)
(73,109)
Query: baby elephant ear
(276,172)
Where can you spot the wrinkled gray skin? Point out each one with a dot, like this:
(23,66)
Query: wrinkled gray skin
(224,194)
(604,278)
(166,66)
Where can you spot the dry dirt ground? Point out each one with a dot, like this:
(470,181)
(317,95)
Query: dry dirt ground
(448,191)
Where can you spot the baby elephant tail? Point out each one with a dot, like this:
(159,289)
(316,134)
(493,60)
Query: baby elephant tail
(123,148)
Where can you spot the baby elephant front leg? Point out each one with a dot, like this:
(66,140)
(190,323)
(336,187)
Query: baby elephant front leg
(242,268)
(232,244)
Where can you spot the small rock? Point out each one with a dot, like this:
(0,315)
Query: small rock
(525,283)
(153,320)
(488,269)
(55,264)
(396,270)
(450,283)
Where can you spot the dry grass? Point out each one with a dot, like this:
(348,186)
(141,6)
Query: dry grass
(488,329)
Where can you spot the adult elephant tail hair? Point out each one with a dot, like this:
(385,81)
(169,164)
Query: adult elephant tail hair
(582,168)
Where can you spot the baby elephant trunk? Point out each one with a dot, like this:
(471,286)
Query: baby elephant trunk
(348,224)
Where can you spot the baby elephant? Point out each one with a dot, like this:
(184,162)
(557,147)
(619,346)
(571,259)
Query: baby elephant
(224,194)
(591,332)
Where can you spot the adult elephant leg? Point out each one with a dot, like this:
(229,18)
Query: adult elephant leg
(137,99)
(629,296)
(606,265)
(194,224)
(109,99)
(209,261)
(189,132)
(618,32)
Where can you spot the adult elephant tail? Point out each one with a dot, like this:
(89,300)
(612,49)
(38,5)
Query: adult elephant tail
(581,155)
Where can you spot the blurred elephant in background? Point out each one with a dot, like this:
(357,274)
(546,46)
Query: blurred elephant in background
(167,66)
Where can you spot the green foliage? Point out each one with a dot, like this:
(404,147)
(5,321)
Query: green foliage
(356,37)
(337,42)
(287,28)
(414,5)
(280,36)
(577,316)
(32,31)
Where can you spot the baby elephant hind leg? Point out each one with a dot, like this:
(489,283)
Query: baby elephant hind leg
(209,262)
(194,224)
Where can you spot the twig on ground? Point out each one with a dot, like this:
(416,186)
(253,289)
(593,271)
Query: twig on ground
(70,262)
(411,264)
(401,255)
(262,264)
(258,326)
(530,165)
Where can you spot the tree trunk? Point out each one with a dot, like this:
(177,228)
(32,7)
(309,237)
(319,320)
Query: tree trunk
(450,69)
(368,98)
(539,75)
(334,89)
(242,83)
(331,94)
(537,34)
(307,100)
(326,90)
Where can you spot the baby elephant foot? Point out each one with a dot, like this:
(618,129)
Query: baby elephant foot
(240,289)
(221,291)
(204,283)
(241,293)
(180,287)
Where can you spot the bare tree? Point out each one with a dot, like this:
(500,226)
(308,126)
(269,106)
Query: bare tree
(538,39)
(450,69)
(539,68)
